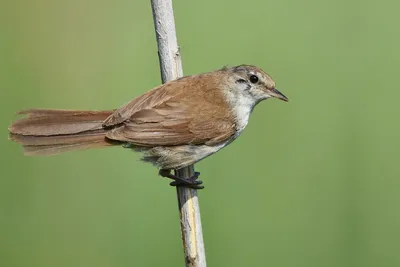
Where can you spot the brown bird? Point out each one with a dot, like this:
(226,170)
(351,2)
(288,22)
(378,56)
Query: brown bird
(174,125)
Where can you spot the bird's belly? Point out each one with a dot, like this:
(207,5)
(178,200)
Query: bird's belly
(177,157)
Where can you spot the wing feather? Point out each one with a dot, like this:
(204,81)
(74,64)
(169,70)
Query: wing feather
(168,117)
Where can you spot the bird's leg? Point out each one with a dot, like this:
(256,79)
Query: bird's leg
(191,182)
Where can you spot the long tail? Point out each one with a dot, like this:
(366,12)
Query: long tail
(48,131)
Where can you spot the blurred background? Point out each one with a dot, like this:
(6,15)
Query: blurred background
(312,182)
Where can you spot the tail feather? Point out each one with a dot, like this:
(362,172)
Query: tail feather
(48,150)
(48,132)
(53,122)
(67,139)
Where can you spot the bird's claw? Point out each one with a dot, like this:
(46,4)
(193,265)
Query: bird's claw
(190,182)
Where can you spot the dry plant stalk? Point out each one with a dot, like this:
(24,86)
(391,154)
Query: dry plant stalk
(171,68)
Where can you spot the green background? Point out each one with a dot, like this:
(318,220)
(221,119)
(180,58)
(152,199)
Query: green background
(312,182)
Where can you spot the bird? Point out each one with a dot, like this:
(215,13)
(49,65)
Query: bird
(173,125)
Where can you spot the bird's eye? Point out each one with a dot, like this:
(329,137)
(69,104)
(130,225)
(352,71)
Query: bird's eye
(253,79)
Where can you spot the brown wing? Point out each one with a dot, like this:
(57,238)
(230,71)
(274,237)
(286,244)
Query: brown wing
(195,114)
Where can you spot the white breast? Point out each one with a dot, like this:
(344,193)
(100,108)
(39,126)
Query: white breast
(242,105)
(242,109)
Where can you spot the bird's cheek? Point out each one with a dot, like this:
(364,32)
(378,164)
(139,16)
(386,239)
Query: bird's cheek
(263,94)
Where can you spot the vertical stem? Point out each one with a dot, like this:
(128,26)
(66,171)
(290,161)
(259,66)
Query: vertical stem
(171,68)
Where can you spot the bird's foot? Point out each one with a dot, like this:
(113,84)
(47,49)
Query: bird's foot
(190,182)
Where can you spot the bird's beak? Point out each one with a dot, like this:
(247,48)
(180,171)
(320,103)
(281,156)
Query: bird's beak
(275,93)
